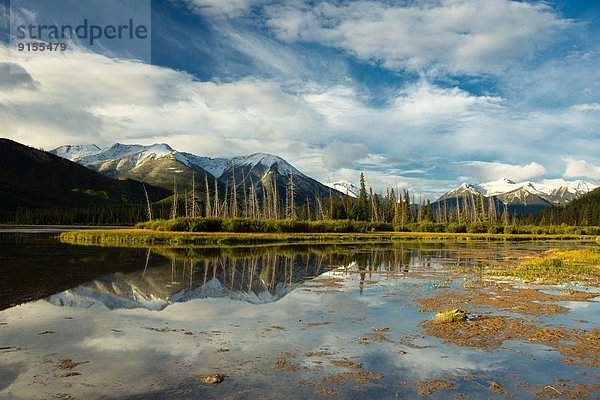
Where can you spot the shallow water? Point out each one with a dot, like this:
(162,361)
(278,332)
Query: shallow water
(278,322)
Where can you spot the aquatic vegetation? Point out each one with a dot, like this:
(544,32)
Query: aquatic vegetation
(556,266)
(451,316)
(212,379)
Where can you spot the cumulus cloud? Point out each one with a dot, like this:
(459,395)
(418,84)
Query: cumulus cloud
(338,154)
(114,102)
(490,171)
(328,131)
(459,36)
(581,168)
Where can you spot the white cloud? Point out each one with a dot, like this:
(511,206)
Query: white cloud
(114,103)
(338,154)
(229,8)
(592,107)
(460,36)
(490,171)
(581,168)
(328,132)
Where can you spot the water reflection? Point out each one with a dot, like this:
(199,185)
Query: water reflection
(296,344)
(258,275)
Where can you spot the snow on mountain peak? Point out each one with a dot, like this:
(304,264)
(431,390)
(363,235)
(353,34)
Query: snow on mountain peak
(139,153)
(502,185)
(76,152)
(465,188)
(266,160)
(346,188)
(555,191)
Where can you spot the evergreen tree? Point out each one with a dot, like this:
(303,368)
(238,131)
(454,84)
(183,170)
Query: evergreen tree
(428,212)
(360,211)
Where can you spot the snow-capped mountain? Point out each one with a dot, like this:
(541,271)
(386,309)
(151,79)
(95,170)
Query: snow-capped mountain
(77,152)
(266,161)
(88,154)
(138,154)
(523,196)
(346,188)
(161,165)
(558,188)
(466,189)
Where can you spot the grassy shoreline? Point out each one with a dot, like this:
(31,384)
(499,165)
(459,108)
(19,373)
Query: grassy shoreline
(146,237)
(555,267)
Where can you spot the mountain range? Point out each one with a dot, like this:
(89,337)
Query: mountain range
(161,165)
(87,175)
(521,197)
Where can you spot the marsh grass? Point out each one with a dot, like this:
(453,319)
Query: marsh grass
(250,225)
(147,237)
(557,266)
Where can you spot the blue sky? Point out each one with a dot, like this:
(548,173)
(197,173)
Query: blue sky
(417,94)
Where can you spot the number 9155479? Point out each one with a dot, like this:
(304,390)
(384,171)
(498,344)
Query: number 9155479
(41,46)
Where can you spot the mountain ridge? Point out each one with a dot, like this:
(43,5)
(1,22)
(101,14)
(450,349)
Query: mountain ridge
(524,198)
(161,165)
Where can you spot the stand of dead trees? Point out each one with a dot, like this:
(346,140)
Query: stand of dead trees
(264,200)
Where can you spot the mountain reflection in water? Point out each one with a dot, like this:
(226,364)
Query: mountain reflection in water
(253,275)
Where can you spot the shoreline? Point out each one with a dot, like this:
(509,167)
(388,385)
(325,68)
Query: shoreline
(143,238)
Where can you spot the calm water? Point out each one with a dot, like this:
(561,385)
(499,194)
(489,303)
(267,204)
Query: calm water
(278,322)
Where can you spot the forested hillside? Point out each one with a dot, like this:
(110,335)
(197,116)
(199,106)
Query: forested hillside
(39,187)
(582,211)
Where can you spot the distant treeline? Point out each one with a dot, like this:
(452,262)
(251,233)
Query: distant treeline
(584,211)
(273,209)
(245,211)
(125,215)
(249,225)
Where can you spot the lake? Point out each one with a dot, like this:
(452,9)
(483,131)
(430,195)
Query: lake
(349,321)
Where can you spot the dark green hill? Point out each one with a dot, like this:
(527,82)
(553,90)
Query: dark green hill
(32,179)
(582,211)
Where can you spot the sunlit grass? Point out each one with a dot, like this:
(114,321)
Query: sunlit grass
(147,237)
(557,266)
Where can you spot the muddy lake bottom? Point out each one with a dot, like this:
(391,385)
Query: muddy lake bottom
(290,322)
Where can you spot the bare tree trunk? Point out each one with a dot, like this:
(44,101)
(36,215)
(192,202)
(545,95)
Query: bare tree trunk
(193,195)
(174,207)
(185,204)
(290,201)
(320,212)
(217,206)
(245,209)
(234,204)
(208,210)
(225,201)
(266,209)
(149,205)
(275,197)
